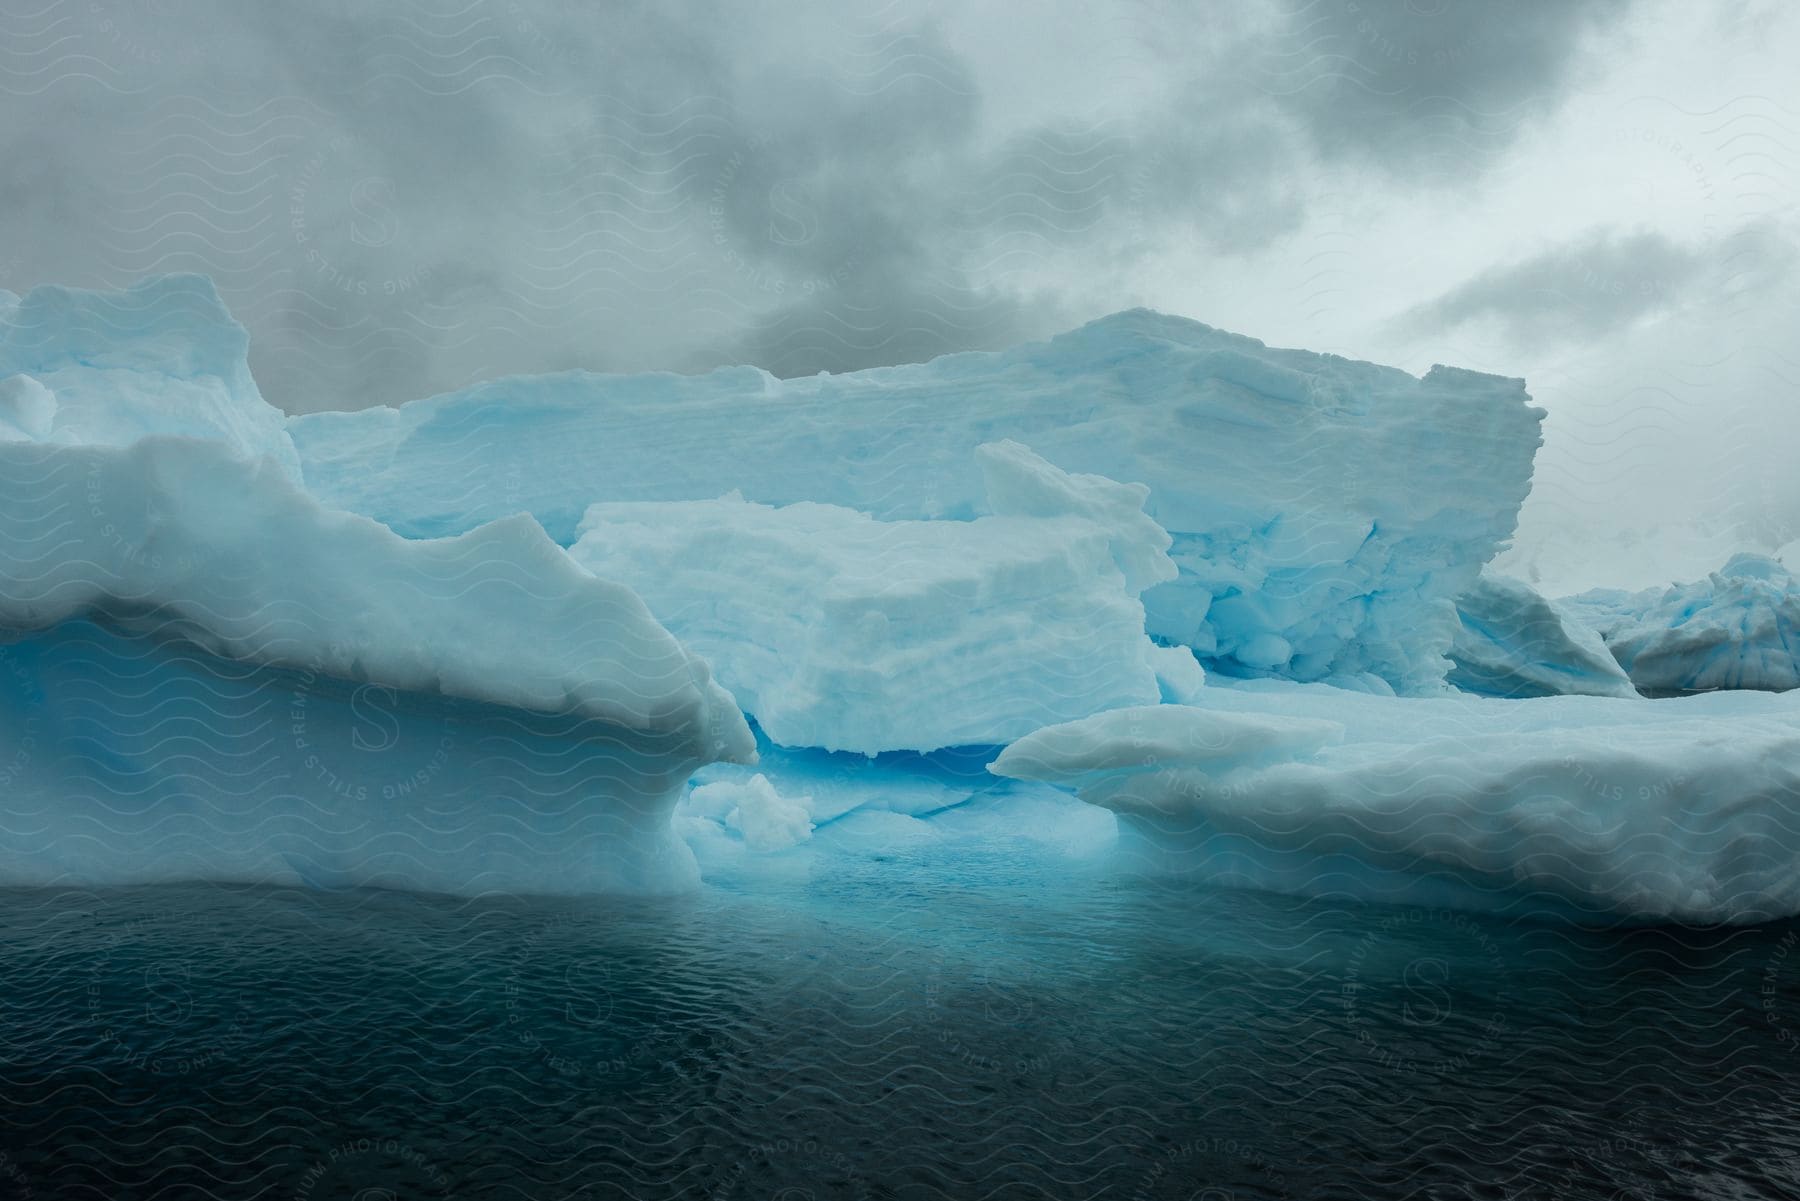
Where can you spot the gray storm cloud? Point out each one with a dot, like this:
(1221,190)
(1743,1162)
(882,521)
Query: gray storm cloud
(1608,280)
(398,199)
(404,198)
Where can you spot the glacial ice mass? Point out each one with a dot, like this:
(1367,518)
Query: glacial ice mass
(1324,513)
(1147,592)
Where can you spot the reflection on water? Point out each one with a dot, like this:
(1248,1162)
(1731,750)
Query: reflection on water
(883,1032)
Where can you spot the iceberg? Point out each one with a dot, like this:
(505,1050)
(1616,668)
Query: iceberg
(1324,513)
(506,638)
(1513,642)
(1679,810)
(210,675)
(1738,628)
(835,630)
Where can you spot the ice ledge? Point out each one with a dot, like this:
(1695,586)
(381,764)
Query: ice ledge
(1587,807)
(182,536)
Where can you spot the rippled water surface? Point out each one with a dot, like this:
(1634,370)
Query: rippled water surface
(884,1031)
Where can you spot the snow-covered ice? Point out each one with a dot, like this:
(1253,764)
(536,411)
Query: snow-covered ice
(1019,483)
(1682,809)
(839,631)
(1514,642)
(1325,513)
(226,553)
(210,675)
(1737,628)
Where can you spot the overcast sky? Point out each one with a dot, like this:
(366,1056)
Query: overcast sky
(404,197)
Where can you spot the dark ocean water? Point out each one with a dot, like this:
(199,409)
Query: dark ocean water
(882,1032)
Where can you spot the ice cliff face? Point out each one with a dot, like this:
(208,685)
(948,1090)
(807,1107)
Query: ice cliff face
(1324,513)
